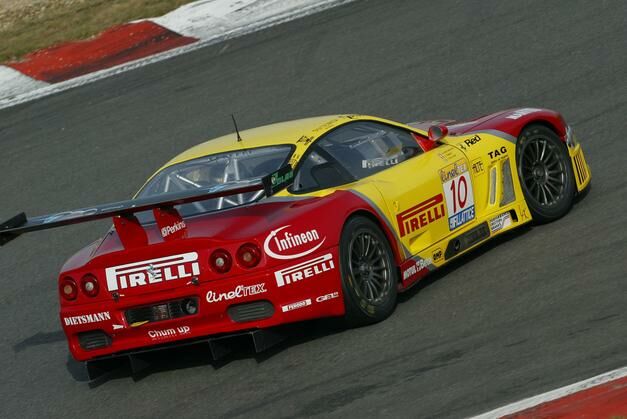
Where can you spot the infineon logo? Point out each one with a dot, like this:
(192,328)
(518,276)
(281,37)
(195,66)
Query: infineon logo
(152,271)
(282,244)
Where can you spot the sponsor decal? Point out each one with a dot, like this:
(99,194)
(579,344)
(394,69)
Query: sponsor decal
(447,155)
(500,222)
(152,271)
(280,244)
(472,141)
(453,170)
(521,112)
(296,306)
(379,162)
(305,140)
(118,326)
(240,291)
(496,153)
(477,166)
(327,297)
(416,268)
(458,194)
(169,333)
(278,180)
(304,270)
(167,230)
(421,215)
(437,254)
(469,142)
(87,318)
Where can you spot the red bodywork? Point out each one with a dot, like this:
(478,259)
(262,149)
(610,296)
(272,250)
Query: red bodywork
(509,122)
(319,292)
(292,243)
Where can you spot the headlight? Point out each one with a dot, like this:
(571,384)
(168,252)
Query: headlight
(571,140)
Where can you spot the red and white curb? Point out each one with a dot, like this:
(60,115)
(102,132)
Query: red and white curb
(603,396)
(136,44)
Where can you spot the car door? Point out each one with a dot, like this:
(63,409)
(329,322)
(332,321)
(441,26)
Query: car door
(427,195)
(430,196)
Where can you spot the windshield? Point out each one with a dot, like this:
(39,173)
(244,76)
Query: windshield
(215,170)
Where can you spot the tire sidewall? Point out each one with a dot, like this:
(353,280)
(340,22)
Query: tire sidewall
(358,310)
(540,213)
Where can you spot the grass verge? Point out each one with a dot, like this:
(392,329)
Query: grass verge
(26,26)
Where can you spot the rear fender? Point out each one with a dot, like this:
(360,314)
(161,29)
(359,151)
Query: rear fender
(510,123)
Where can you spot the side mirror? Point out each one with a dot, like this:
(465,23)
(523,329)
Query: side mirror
(437,132)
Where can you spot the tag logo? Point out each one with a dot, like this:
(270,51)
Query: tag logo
(152,271)
(279,243)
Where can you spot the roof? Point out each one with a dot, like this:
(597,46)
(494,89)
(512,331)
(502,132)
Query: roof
(280,133)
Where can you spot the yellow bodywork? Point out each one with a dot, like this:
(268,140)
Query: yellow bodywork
(398,191)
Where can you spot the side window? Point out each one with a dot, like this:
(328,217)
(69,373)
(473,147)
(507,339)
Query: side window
(354,151)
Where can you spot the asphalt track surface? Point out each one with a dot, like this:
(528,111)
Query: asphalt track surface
(542,308)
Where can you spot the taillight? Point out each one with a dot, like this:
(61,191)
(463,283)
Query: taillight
(68,289)
(89,285)
(220,261)
(248,255)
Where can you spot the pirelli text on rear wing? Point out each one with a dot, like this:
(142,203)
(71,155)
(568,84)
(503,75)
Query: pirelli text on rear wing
(131,233)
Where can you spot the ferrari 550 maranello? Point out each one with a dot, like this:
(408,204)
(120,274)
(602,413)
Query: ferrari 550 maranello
(319,217)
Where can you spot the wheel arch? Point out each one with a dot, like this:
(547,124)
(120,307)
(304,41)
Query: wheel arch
(395,245)
(550,124)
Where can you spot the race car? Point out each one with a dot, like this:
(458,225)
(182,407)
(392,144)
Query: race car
(319,217)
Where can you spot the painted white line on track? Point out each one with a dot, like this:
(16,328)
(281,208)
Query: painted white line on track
(261,22)
(554,394)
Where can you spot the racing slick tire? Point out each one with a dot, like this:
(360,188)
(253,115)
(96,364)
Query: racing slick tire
(545,173)
(369,274)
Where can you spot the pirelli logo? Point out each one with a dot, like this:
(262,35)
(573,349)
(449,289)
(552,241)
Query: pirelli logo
(152,271)
(304,270)
(421,215)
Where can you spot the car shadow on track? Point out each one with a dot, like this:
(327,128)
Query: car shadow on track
(199,355)
(462,260)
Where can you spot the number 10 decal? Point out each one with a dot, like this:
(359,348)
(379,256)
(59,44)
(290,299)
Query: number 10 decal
(460,201)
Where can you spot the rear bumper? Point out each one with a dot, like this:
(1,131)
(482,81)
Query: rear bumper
(248,302)
(217,346)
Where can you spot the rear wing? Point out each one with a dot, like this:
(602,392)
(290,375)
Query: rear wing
(123,213)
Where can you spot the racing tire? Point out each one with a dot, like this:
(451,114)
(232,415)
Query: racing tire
(369,274)
(545,172)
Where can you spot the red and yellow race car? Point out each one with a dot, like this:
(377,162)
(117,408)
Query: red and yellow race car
(326,216)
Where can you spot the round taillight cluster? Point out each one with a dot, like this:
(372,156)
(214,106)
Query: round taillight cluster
(88,286)
(68,289)
(220,261)
(248,255)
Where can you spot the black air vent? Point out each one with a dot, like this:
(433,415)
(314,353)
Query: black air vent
(251,311)
(94,339)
